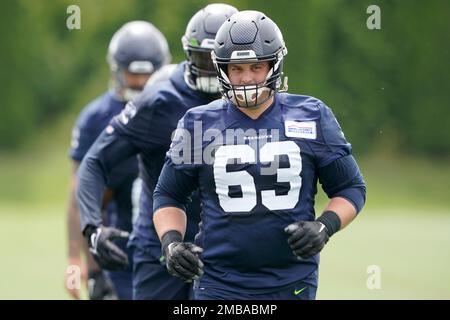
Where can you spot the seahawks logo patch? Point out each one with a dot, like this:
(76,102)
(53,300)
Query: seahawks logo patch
(300,129)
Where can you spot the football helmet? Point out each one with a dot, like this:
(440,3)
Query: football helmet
(198,42)
(249,37)
(139,48)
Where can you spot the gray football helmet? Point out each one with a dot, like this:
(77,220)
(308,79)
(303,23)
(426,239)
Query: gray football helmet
(248,37)
(198,42)
(138,47)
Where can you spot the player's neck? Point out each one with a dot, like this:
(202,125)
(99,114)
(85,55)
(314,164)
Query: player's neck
(255,113)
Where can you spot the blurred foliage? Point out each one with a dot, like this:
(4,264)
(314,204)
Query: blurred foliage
(388,87)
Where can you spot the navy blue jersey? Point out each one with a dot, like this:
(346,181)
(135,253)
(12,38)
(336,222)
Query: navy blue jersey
(253,184)
(147,124)
(90,123)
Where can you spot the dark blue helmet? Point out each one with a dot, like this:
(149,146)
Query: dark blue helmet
(246,37)
(198,42)
(137,47)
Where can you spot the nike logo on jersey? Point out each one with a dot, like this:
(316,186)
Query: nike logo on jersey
(300,129)
(296,292)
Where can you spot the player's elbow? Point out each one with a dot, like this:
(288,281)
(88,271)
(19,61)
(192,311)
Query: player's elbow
(355,194)
(163,199)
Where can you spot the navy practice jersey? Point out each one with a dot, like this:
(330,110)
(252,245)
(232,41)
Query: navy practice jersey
(261,177)
(148,124)
(91,122)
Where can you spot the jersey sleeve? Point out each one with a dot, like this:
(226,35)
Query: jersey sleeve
(342,178)
(141,122)
(331,142)
(108,151)
(186,149)
(83,136)
(174,188)
(179,176)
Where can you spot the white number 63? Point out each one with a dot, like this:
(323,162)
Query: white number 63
(246,154)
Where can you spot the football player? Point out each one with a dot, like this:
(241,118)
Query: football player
(145,128)
(136,51)
(256,157)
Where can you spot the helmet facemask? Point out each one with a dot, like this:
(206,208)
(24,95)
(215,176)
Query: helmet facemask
(200,73)
(252,95)
(118,83)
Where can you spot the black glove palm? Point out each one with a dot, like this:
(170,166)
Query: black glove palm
(182,260)
(307,238)
(105,252)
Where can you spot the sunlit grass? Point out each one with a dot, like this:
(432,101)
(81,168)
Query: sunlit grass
(33,251)
(409,247)
(411,250)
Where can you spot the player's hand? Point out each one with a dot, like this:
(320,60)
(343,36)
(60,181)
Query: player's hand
(182,261)
(306,238)
(108,255)
(100,287)
(73,290)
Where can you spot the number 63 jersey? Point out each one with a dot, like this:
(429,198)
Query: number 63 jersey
(254,177)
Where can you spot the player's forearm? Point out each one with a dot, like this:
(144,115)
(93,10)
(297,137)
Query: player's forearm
(343,208)
(107,152)
(169,218)
(73,228)
(90,187)
(77,243)
(91,264)
(73,218)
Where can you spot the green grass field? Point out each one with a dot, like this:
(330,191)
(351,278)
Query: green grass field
(33,246)
(411,249)
(404,228)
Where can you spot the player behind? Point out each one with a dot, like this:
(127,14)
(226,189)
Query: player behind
(145,128)
(135,52)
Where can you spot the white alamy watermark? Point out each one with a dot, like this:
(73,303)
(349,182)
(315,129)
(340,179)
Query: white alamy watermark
(74,19)
(374,278)
(73,279)
(200,146)
(374,20)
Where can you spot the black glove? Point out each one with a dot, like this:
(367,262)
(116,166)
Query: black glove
(105,252)
(307,238)
(182,260)
(100,287)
